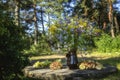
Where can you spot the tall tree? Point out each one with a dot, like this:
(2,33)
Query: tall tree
(17,12)
(42,20)
(110,16)
(116,23)
(35,23)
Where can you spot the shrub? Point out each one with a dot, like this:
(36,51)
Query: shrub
(39,49)
(105,43)
(12,59)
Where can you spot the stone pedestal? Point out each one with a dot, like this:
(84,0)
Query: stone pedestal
(66,74)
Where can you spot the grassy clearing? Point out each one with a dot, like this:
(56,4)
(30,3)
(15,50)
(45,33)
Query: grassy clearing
(112,59)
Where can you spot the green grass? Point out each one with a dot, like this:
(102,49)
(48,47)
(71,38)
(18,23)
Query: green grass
(112,59)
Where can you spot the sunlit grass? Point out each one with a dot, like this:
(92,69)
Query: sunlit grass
(105,55)
(46,57)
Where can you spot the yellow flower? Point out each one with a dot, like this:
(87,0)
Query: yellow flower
(52,29)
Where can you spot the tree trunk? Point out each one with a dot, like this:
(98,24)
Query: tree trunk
(104,26)
(42,21)
(99,21)
(85,9)
(110,16)
(116,24)
(17,13)
(35,24)
(48,19)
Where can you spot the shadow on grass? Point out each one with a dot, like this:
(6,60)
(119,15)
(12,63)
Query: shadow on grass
(114,61)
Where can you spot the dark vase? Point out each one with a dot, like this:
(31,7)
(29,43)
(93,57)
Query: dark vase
(72,61)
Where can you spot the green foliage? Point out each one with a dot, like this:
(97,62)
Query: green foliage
(12,60)
(42,48)
(37,50)
(105,43)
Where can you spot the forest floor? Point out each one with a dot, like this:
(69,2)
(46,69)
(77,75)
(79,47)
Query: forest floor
(112,59)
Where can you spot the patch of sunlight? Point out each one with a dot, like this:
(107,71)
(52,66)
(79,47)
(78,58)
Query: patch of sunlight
(46,57)
(118,66)
(105,55)
(98,55)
